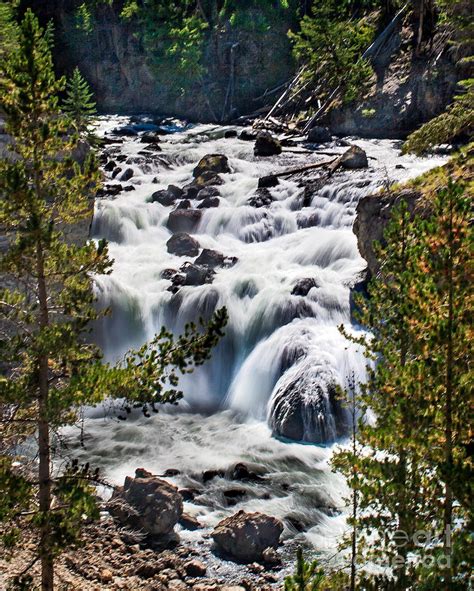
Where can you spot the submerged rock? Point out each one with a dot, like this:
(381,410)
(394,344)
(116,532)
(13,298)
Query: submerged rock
(183,245)
(261,198)
(147,503)
(215,163)
(303,286)
(266,144)
(245,536)
(208,202)
(355,157)
(184,220)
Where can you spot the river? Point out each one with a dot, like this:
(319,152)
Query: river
(281,351)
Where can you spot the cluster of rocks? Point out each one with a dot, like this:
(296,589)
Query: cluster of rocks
(154,507)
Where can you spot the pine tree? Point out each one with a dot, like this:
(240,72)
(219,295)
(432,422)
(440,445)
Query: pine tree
(50,369)
(79,103)
(308,576)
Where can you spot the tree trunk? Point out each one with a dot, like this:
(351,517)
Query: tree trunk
(46,554)
(448,502)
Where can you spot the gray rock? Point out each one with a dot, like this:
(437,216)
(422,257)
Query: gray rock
(184,220)
(303,286)
(210,258)
(196,275)
(245,536)
(215,163)
(164,197)
(183,244)
(209,202)
(126,174)
(207,192)
(266,144)
(261,198)
(319,135)
(355,157)
(147,503)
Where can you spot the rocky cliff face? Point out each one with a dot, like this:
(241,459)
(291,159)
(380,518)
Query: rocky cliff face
(407,89)
(373,215)
(127,77)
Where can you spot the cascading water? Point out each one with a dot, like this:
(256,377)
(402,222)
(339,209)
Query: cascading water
(283,353)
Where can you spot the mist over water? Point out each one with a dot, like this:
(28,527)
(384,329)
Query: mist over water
(280,350)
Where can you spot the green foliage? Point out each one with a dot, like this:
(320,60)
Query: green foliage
(455,122)
(308,576)
(79,104)
(47,304)
(414,471)
(8,28)
(331,43)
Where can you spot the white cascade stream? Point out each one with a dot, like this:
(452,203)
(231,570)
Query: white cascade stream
(281,351)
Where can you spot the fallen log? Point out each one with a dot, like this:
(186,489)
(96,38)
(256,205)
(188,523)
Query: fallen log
(272,179)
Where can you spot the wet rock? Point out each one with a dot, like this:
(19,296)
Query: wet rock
(188,494)
(261,198)
(116,172)
(184,204)
(211,474)
(242,472)
(214,163)
(207,192)
(303,286)
(233,495)
(177,192)
(210,258)
(308,220)
(265,182)
(195,568)
(150,137)
(147,503)
(153,148)
(355,157)
(164,197)
(191,191)
(126,174)
(208,179)
(168,273)
(171,472)
(248,136)
(244,536)
(196,275)
(189,522)
(126,131)
(266,144)
(184,220)
(230,133)
(110,189)
(183,245)
(109,167)
(129,188)
(319,135)
(306,408)
(209,202)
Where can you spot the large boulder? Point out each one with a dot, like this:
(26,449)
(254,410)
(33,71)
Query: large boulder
(244,537)
(184,220)
(216,163)
(147,503)
(374,213)
(183,245)
(210,258)
(164,197)
(266,145)
(305,406)
(319,135)
(355,157)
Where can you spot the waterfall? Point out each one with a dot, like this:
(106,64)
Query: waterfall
(282,355)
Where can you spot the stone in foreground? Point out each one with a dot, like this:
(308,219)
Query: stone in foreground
(266,145)
(244,537)
(147,503)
